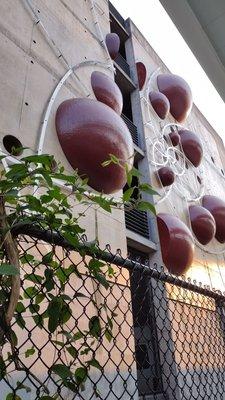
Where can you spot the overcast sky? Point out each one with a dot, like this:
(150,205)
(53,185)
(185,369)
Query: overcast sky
(153,21)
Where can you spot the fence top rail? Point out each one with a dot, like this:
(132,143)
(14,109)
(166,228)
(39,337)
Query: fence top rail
(92,249)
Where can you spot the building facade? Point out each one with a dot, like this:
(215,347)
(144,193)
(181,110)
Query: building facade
(50,49)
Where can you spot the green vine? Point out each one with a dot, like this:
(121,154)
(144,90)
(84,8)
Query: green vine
(33,193)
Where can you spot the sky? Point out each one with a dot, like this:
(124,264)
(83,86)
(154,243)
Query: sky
(157,27)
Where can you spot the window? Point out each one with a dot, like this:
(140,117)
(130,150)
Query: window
(136,221)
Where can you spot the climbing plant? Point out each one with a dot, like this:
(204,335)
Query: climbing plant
(38,193)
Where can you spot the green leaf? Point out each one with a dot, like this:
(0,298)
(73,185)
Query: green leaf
(20,321)
(20,385)
(103,203)
(54,311)
(47,258)
(49,281)
(110,322)
(114,159)
(81,375)
(34,308)
(135,172)
(26,258)
(78,336)
(65,314)
(94,363)
(145,187)
(73,240)
(95,265)
(12,396)
(72,351)
(34,278)
(20,307)
(30,292)
(146,206)
(39,298)
(38,319)
(102,279)
(29,352)
(95,327)
(61,370)
(127,194)
(44,159)
(14,338)
(108,335)
(8,269)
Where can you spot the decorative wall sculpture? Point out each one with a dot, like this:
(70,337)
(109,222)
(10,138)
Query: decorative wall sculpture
(166,176)
(160,104)
(176,243)
(217,208)
(174,137)
(112,41)
(191,146)
(178,93)
(89,131)
(203,224)
(107,91)
(141,73)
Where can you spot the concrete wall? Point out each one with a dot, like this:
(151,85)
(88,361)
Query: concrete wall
(30,70)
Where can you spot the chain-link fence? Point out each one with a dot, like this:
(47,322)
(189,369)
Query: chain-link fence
(149,335)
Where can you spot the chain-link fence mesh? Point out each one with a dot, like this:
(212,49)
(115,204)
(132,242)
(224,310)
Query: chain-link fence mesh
(165,336)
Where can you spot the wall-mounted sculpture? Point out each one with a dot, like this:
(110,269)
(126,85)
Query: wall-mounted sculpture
(203,224)
(89,131)
(160,104)
(107,91)
(166,176)
(217,208)
(191,146)
(112,41)
(176,243)
(174,137)
(178,93)
(141,73)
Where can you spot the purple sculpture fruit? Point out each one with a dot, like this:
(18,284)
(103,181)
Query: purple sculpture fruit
(107,91)
(176,243)
(160,103)
(216,207)
(113,44)
(191,146)
(89,131)
(203,224)
(178,93)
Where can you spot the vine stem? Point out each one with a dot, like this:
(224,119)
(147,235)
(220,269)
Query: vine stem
(12,254)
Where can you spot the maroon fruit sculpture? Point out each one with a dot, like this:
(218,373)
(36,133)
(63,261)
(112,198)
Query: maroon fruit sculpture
(217,208)
(112,41)
(107,91)
(203,224)
(141,73)
(89,131)
(178,93)
(160,103)
(191,146)
(166,176)
(176,243)
(174,137)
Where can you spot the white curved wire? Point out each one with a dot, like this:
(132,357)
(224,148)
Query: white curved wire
(102,39)
(55,93)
